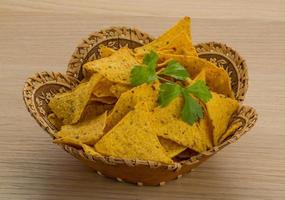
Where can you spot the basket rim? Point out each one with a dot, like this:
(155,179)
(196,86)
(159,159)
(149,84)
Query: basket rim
(142,38)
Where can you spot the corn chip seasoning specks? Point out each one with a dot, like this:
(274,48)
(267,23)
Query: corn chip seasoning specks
(69,106)
(178,103)
(133,138)
(116,67)
(87,132)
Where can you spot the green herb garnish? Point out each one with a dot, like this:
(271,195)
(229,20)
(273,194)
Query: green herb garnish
(192,111)
(175,70)
(145,73)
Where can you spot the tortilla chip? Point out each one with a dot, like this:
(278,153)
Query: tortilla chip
(94,109)
(180,45)
(105,100)
(217,78)
(69,106)
(168,124)
(200,76)
(90,150)
(87,132)
(171,148)
(68,140)
(133,138)
(102,89)
(57,123)
(105,51)
(116,68)
(206,131)
(118,89)
(128,100)
(182,26)
(220,110)
(230,131)
(204,124)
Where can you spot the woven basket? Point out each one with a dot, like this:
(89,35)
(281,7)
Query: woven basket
(41,87)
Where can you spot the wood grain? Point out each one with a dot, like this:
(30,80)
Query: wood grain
(37,36)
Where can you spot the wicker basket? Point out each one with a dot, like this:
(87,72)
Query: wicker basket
(39,88)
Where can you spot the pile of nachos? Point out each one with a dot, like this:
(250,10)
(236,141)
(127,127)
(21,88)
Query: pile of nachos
(158,102)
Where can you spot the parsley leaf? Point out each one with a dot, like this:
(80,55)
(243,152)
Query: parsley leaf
(191,110)
(176,70)
(168,92)
(200,90)
(145,73)
(150,59)
(141,74)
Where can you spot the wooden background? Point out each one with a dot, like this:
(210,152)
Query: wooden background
(41,35)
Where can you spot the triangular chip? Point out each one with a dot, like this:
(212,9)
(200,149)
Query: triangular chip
(105,51)
(116,68)
(106,100)
(133,138)
(90,150)
(128,100)
(182,26)
(87,132)
(204,124)
(168,124)
(217,78)
(200,76)
(205,129)
(69,106)
(171,148)
(220,110)
(94,109)
(180,45)
(102,89)
(118,89)
(68,140)
(230,131)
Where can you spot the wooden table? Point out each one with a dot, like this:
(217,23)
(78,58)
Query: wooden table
(37,36)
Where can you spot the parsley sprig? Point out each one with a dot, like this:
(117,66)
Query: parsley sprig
(192,111)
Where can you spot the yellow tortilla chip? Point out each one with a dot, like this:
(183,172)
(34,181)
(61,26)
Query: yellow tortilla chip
(116,68)
(106,100)
(182,26)
(168,124)
(68,140)
(105,51)
(102,89)
(220,110)
(133,138)
(95,109)
(200,76)
(230,131)
(180,45)
(171,148)
(217,78)
(118,89)
(205,129)
(204,124)
(90,150)
(87,132)
(69,106)
(57,123)
(128,100)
